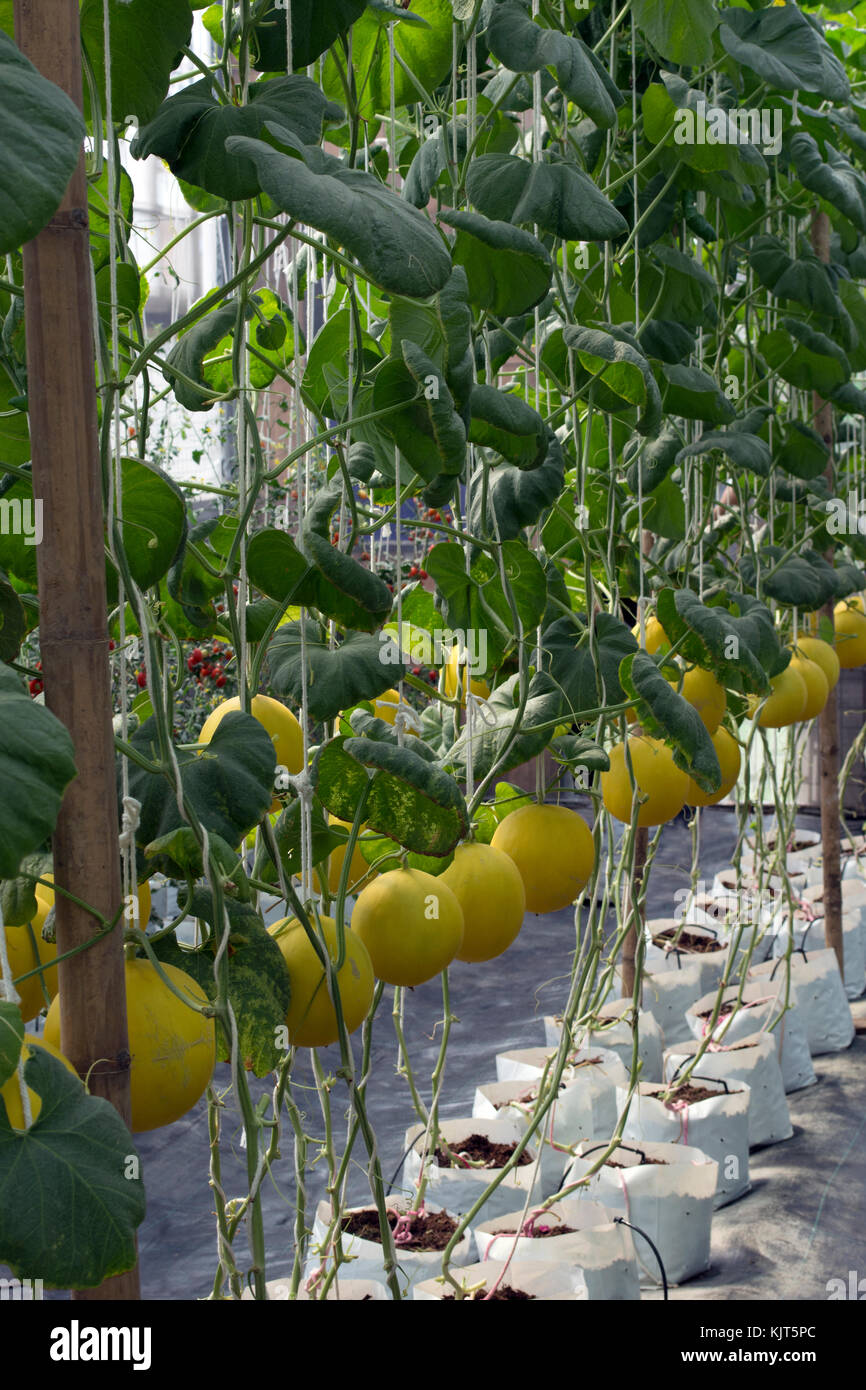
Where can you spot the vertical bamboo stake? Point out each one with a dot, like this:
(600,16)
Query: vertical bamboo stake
(72,630)
(634,915)
(828,719)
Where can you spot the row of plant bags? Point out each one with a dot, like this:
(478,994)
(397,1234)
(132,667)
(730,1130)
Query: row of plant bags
(765,1006)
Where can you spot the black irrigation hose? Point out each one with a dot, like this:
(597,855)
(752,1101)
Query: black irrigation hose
(621,1221)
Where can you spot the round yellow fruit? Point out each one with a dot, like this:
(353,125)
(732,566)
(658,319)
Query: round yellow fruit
(655,637)
(312,1018)
(817,689)
(411,923)
(784,705)
(728,753)
(850,642)
(658,779)
(173,1047)
(277,718)
(488,886)
(814,649)
(476,686)
(703,692)
(357,868)
(11,1091)
(385,706)
(554,852)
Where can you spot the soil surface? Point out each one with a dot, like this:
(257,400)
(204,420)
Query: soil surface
(480,1297)
(432,1231)
(541,1232)
(480,1152)
(688,941)
(660,1162)
(691,1094)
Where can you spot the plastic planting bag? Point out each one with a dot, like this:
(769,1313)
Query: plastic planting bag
(710,1115)
(523,1279)
(666,1192)
(578,1234)
(366,1252)
(754,1010)
(612,1029)
(821,998)
(806,928)
(752,1060)
(458,1185)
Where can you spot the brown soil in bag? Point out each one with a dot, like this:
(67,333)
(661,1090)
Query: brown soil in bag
(688,941)
(480,1297)
(432,1231)
(481,1152)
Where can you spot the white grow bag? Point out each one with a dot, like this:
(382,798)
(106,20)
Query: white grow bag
(515,1099)
(547,1282)
(762,1003)
(612,1031)
(752,1060)
(808,930)
(804,851)
(718,1126)
(821,998)
(672,1202)
(342,1290)
(366,1256)
(458,1189)
(603,1251)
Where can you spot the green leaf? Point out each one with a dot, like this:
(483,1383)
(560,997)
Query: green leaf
(323,839)
(503,421)
(558,197)
(314,28)
(339,780)
(229,784)
(665,512)
(427,430)
(653,458)
(805,280)
(410,800)
(687,291)
(325,383)
(782,47)
(803,452)
(802,581)
(343,589)
(271,336)
(259,987)
(567,656)
(191,131)
(146,38)
(665,714)
(68,1207)
(18,903)
(396,246)
(41,131)
(276,567)
(834,178)
(188,354)
(694,395)
(13,621)
(523,46)
(178,855)
(11,1038)
(623,376)
(422,40)
(154,520)
(490,737)
(680,30)
(813,362)
(517,498)
(507,269)
(441,328)
(706,139)
(36,766)
(744,449)
(854,302)
(98,210)
(360,668)
(741,649)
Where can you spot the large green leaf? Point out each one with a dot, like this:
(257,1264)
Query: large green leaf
(679,30)
(616,374)
(504,422)
(325,383)
(41,131)
(13,621)
(442,328)
(427,429)
(517,498)
(410,800)
(557,197)
(709,140)
(396,246)
(229,784)
(803,581)
(360,668)
(802,452)
(344,589)
(813,362)
(492,738)
(259,987)
(146,38)
(314,28)
(190,131)
(665,714)
(154,520)
(523,46)
(692,393)
(740,648)
(568,657)
(14,430)
(11,1038)
(782,47)
(833,178)
(422,38)
(36,766)
(188,354)
(508,269)
(806,280)
(69,1204)
(744,449)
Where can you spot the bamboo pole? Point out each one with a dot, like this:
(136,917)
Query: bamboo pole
(828,719)
(634,915)
(72,630)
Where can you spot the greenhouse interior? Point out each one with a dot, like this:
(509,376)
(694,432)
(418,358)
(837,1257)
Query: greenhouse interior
(433,661)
